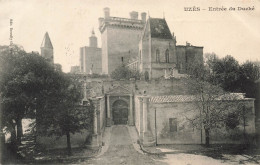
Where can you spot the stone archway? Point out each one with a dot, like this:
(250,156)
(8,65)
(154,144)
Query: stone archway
(120,112)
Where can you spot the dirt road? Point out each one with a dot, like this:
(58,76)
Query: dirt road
(121,151)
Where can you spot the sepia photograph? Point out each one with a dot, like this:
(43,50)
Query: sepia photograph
(136,82)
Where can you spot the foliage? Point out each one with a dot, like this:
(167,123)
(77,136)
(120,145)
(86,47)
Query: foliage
(123,72)
(67,117)
(212,101)
(249,74)
(226,73)
(25,80)
(231,76)
(23,76)
(232,120)
(32,87)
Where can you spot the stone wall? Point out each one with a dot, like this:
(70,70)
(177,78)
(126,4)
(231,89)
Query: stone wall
(120,46)
(91,138)
(158,86)
(90,56)
(162,45)
(53,142)
(187,55)
(167,123)
(185,133)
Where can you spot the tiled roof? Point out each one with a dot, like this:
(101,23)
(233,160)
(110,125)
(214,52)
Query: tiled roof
(159,28)
(46,43)
(188,98)
(172,98)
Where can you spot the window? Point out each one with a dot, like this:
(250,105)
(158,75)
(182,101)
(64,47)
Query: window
(173,124)
(157,55)
(167,59)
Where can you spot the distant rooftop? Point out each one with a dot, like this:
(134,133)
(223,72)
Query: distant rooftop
(189,98)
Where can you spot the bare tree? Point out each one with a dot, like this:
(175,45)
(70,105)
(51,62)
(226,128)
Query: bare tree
(212,103)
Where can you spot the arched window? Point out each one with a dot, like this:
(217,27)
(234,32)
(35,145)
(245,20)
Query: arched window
(157,55)
(167,59)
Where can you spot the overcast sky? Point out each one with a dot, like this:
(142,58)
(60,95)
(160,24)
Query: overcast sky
(69,23)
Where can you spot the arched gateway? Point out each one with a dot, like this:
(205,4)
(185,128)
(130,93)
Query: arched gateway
(119,108)
(120,112)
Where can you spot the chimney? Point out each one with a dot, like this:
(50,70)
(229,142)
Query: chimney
(133,15)
(143,16)
(106,12)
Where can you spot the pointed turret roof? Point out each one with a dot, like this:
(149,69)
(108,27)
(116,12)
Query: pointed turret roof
(46,43)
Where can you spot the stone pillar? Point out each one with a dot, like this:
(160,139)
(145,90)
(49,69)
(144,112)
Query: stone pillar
(145,102)
(95,135)
(141,119)
(108,112)
(131,117)
(148,139)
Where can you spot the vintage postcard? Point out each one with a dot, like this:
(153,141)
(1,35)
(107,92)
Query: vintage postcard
(130,82)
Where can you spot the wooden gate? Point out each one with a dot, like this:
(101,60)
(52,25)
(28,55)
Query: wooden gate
(120,112)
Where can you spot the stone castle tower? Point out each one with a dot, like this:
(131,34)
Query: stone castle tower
(90,56)
(47,48)
(120,38)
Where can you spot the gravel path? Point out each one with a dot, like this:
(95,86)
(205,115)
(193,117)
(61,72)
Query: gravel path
(121,151)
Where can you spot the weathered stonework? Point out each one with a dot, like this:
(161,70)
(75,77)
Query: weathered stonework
(90,57)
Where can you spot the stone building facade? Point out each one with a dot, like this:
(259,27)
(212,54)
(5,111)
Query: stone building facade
(186,55)
(163,120)
(157,49)
(90,57)
(157,109)
(142,44)
(161,117)
(120,38)
(146,45)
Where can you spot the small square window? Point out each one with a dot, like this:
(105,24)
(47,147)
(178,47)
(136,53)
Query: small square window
(173,124)
(85,103)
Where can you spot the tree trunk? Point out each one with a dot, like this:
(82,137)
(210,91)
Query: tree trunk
(14,147)
(19,131)
(68,144)
(207,137)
